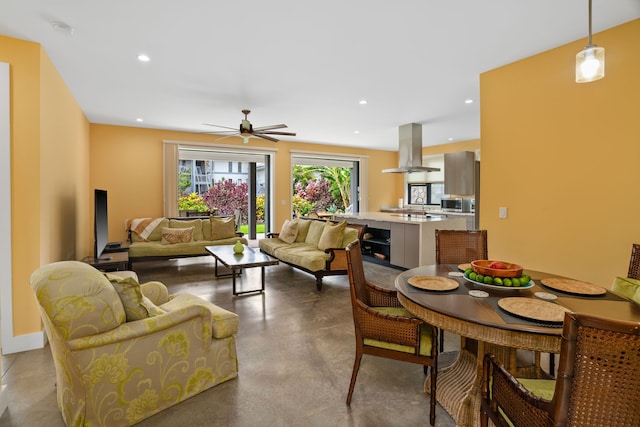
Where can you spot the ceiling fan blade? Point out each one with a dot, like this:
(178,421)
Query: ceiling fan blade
(281,126)
(225,137)
(221,132)
(260,135)
(275,133)
(218,126)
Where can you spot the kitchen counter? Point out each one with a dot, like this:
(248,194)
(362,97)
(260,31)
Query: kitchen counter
(402,240)
(398,216)
(413,212)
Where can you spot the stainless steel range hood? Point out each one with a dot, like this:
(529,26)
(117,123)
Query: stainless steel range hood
(410,151)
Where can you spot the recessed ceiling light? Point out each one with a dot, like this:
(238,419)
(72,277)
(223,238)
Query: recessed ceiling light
(468,101)
(363,102)
(356,131)
(139,120)
(450,139)
(143,58)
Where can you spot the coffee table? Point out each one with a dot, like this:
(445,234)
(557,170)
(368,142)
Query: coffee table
(250,257)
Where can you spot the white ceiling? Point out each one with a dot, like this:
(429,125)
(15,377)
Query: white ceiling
(303,63)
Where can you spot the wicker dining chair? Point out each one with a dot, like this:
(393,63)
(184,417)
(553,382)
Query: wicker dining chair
(634,262)
(598,380)
(384,328)
(460,246)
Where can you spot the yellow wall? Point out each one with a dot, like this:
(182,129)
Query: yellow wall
(49,154)
(127,162)
(563,158)
(471,145)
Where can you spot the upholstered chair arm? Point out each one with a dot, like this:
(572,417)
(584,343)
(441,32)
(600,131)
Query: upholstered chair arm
(500,390)
(388,327)
(381,297)
(157,292)
(140,328)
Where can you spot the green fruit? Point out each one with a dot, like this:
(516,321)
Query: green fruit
(515,282)
(467,272)
(480,278)
(488,280)
(472,275)
(525,279)
(497,281)
(507,282)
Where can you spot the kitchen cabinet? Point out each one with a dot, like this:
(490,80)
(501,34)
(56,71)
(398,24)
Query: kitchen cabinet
(405,245)
(459,173)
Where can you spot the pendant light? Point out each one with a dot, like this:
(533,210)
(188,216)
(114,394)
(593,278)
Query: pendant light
(590,60)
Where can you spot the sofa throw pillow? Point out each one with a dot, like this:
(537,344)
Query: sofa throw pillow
(315,231)
(222,228)
(303,229)
(289,231)
(195,223)
(332,235)
(176,235)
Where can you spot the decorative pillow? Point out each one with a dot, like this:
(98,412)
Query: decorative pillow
(223,228)
(195,223)
(332,235)
(136,305)
(176,235)
(315,231)
(303,229)
(131,296)
(289,231)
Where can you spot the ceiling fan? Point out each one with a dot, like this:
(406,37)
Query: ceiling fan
(247,130)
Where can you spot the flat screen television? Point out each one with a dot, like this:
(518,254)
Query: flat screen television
(100,222)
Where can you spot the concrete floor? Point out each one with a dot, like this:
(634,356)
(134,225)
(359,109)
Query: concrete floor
(295,351)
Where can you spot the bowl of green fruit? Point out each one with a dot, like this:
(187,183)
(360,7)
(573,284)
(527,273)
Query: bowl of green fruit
(500,274)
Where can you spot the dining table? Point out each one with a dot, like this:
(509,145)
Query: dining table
(485,326)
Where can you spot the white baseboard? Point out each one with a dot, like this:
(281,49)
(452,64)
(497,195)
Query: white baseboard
(23,342)
(4,398)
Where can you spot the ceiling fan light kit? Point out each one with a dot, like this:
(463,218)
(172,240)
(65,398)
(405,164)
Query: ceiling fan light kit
(590,60)
(246,130)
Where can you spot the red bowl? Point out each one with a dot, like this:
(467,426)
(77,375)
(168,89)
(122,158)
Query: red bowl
(482,266)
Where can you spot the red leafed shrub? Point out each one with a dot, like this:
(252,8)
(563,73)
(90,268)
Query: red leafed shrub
(228,197)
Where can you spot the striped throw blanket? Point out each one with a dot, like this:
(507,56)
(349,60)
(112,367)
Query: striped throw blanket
(142,226)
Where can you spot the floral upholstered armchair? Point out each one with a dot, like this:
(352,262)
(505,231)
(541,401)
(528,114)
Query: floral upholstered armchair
(124,351)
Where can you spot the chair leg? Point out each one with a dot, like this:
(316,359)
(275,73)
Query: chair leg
(354,375)
(432,401)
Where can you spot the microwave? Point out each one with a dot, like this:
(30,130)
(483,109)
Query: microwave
(457,204)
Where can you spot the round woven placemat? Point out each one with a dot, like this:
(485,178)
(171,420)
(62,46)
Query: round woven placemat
(433,283)
(533,309)
(464,266)
(573,286)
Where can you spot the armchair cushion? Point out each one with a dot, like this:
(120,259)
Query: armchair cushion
(425,334)
(224,323)
(627,287)
(539,387)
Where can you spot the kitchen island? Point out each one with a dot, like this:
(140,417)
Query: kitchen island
(401,240)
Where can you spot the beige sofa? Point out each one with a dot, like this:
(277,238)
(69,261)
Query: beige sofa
(164,238)
(314,246)
(124,351)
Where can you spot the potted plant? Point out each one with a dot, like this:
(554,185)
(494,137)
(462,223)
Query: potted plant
(192,204)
